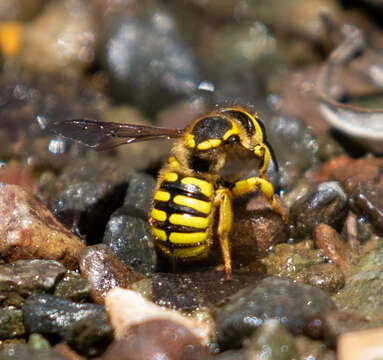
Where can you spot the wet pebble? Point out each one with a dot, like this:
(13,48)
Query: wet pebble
(331,243)
(73,287)
(325,203)
(313,349)
(37,341)
(273,341)
(367,201)
(87,205)
(128,235)
(296,148)
(11,323)
(21,278)
(291,304)
(157,339)
(304,264)
(53,316)
(256,228)
(148,62)
(105,271)
(29,230)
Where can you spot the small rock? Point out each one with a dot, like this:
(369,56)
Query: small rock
(291,304)
(11,323)
(105,271)
(69,354)
(325,203)
(327,277)
(53,316)
(367,200)
(21,278)
(37,341)
(140,192)
(366,345)
(73,287)
(256,228)
(157,339)
(127,309)
(139,68)
(128,235)
(29,230)
(23,352)
(330,242)
(61,39)
(271,341)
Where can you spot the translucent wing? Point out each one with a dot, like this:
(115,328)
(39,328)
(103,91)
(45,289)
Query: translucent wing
(107,135)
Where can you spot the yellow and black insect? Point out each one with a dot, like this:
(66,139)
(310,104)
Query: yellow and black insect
(202,176)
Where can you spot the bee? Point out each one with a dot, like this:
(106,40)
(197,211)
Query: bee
(204,173)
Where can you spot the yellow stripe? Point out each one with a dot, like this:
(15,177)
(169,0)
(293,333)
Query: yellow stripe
(195,204)
(190,140)
(188,220)
(187,238)
(159,214)
(161,234)
(162,196)
(232,131)
(205,187)
(190,252)
(208,144)
(171,176)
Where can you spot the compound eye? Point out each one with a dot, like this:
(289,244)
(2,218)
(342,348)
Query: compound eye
(233,139)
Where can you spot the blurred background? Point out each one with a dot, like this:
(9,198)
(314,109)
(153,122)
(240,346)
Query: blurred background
(166,62)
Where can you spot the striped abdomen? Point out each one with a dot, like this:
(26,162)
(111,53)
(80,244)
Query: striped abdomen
(181,216)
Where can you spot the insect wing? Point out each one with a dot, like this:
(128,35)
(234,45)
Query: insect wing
(108,135)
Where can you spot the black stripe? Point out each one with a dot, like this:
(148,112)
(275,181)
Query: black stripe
(171,208)
(169,228)
(178,188)
(173,246)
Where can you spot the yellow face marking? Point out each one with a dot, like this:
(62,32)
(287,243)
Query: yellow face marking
(232,131)
(158,214)
(190,140)
(195,204)
(205,187)
(171,176)
(190,252)
(208,144)
(189,220)
(266,160)
(187,238)
(161,234)
(162,196)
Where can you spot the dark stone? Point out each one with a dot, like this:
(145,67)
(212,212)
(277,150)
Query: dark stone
(186,292)
(367,200)
(324,203)
(73,287)
(291,304)
(152,68)
(105,271)
(58,318)
(11,323)
(24,277)
(128,235)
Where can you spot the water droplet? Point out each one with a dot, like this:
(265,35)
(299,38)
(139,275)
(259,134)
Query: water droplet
(206,86)
(57,146)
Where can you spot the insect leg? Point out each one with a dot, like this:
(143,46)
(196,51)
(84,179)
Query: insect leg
(223,202)
(243,187)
